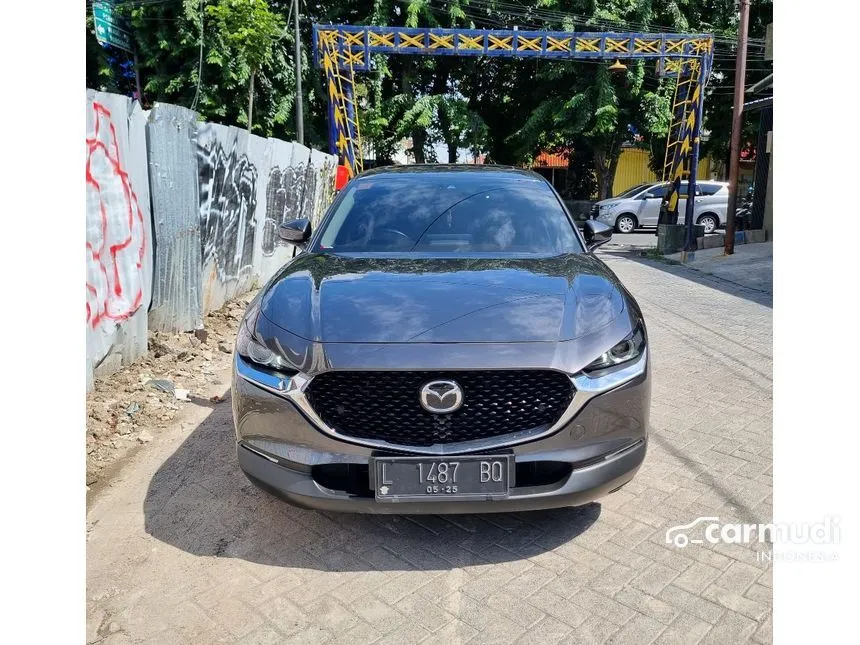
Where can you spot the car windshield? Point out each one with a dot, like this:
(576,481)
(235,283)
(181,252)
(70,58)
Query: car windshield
(630,192)
(449,212)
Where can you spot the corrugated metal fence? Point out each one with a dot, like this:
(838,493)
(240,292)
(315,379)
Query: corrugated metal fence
(181,217)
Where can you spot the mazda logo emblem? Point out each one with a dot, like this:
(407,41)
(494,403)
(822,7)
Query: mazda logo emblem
(441,397)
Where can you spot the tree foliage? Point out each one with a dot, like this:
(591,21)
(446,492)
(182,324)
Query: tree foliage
(249,29)
(508,109)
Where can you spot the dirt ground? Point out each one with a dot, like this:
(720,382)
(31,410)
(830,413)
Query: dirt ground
(129,408)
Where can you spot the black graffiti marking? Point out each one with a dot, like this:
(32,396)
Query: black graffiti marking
(309,193)
(228,201)
(327,177)
(283,202)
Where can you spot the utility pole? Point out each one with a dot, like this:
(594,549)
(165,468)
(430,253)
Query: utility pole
(300,121)
(737,126)
(137,78)
(251,101)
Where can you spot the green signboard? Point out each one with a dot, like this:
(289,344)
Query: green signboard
(111,29)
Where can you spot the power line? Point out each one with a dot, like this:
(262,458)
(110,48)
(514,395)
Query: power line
(519,11)
(133,3)
(720,55)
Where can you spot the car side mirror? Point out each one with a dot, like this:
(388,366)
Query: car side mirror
(596,233)
(297,232)
(649,196)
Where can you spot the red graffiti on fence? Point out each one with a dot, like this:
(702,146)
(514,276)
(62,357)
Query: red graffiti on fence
(116,236)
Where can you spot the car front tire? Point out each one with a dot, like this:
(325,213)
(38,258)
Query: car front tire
(625,224)
(709,222)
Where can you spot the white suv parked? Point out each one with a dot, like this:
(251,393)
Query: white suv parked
(640,206)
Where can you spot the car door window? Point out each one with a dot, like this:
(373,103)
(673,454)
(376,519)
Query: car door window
(709,189)
(632,192)
(656,192)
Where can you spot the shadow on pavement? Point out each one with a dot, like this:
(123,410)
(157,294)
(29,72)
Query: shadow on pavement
(199,501)
(701,472)
(705,279)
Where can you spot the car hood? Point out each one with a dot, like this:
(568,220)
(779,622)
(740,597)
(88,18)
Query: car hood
(332,298)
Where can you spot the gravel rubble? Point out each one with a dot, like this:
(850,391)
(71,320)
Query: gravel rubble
(129,407)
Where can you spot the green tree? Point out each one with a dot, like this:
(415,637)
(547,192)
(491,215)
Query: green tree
(250,32)
(417,98)
(170,38)
(105,65)
(508,108)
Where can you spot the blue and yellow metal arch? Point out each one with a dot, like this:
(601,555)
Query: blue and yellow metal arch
(342,50)
(356,43)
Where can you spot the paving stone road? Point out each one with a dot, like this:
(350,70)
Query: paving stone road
(182,549)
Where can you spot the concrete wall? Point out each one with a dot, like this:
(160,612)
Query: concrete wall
(182,216)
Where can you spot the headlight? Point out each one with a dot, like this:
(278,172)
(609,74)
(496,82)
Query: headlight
(247,346)
(626,351)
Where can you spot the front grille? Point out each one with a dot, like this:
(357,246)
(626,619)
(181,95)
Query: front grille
(385,406)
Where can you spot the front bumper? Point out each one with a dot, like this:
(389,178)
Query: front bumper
(594,452)
(581,487)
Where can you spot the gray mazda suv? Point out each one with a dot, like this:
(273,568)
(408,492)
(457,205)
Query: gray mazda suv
(444,342)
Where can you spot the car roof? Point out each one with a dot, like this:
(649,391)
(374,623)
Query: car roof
(698,181)
(439,168)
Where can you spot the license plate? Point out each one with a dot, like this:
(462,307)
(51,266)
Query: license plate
(474,477)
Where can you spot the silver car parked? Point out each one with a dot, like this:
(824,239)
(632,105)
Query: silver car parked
(640,206)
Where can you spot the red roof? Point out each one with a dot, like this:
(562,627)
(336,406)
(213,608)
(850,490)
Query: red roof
(748,154)
(550,160)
